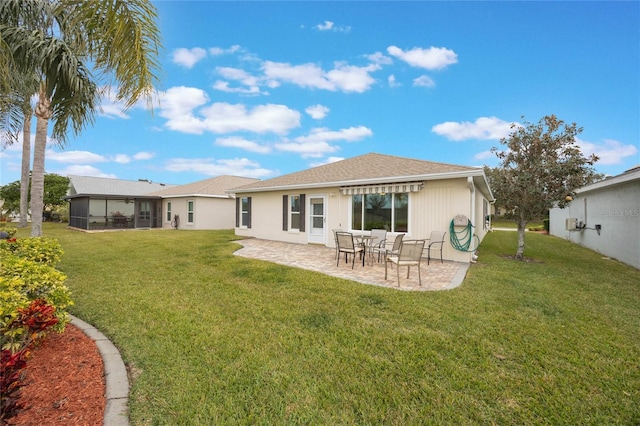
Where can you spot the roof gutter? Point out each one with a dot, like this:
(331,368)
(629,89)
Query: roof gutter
(360,182)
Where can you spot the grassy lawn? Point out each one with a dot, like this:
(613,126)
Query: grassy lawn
(211,338)
(511,224)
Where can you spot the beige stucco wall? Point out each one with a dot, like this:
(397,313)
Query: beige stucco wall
(209,212)
(430,209)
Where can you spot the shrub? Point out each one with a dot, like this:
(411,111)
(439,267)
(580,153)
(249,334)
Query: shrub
(31,324)
(39,249)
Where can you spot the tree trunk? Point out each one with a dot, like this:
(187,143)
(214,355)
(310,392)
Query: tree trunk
(26,167)
(522,225)
(43,113)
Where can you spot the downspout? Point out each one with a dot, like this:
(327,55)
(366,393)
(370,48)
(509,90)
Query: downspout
(472,189)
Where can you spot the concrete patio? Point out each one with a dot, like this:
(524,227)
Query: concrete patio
(435,276)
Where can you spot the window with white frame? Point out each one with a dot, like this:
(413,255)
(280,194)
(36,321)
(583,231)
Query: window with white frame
(380,211)
(294,223)
(190,211)
(245,205)
(168,211)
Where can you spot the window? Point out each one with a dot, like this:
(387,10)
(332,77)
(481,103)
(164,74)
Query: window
(295,212)
(168,211)
(245,204)
(380,211)
(190,211)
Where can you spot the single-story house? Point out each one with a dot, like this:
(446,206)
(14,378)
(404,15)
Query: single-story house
(103,203)
(205,204)
(605,217)
(402,195)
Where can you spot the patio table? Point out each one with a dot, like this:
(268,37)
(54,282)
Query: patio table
(367,242)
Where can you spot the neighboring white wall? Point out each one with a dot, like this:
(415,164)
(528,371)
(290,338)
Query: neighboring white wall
(616,209)
(209,213)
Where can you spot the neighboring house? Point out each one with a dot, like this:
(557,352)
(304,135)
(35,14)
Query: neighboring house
(102,203)
(605,217)
(402,195)
(205,204)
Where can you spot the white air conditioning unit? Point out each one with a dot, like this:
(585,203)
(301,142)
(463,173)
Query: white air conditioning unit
(572,224)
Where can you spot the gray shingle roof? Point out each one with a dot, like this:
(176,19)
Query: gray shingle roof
(371,168)
(91,185)
(216,186)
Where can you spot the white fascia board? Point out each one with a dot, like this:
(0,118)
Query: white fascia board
(225,197)
(371,181)
(616,180)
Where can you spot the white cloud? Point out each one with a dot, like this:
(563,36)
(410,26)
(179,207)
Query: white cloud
(352,134)
(223,117)
(328,160)
(74,157)
(424,81)
(342,77)
(392,81)
(247,145)
(177,105)
(216,51)
(317,112)
(484,155)
(188,57)
(212,167)
(307,149)
(144,155)
(122,158)
(379,58)
(611,152)
(80,170)
(433,58)
(331,26)
(224,86)
(483,128)
(252,82)
(319,141)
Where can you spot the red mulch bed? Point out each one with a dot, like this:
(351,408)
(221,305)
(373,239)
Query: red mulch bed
(64,382)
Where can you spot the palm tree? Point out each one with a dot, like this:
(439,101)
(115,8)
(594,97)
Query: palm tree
(56,39)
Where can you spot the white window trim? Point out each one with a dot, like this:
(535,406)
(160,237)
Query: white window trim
(350,215)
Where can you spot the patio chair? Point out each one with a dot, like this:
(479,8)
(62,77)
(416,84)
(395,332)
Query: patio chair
(409,255)
(436,241)
(347,246)
(378,242)
(395,248)
(335,239)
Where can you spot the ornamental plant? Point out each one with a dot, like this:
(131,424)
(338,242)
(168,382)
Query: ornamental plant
(42,250)
(33,301)
(31,323)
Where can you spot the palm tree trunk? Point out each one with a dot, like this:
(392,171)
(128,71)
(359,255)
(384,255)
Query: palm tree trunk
(26,167)
(43,113)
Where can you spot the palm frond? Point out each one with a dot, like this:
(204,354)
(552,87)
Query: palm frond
(123,40)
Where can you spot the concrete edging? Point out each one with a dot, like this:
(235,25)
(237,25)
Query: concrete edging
(115,375)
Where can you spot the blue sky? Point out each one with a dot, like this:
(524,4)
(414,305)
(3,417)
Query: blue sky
(261,89)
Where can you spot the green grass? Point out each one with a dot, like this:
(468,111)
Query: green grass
(511,224)
(211,338)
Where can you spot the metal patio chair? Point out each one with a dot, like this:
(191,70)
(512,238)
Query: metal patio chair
(378,243)
(436,241)
(347,246)
(409,255)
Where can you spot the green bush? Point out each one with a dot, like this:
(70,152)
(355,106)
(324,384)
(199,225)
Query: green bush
(27,274)
(40,249)
(35,281)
